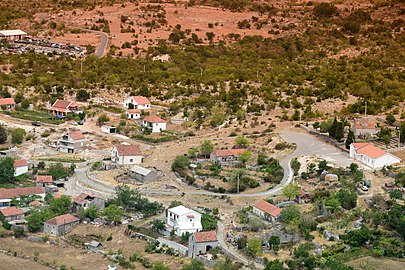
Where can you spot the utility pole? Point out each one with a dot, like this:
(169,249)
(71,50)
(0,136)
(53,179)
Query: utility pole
(365,111)
(237,183)
(201,71)
(81,65)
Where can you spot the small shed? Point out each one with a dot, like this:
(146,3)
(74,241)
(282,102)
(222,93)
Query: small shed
(108,129)
(142,174)
(94,245)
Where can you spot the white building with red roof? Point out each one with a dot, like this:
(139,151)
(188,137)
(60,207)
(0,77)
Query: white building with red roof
(154,122)
(71,142)
(62,108)
(7,194)
(226,156)
(7,103)
(134,114)
(126,154)
(266,210)
(20,167)
(181,219)
(200,243)
(60,225)
(372,156)
(137,102)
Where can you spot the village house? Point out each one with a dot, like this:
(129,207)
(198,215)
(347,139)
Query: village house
(154,122)
(7,103)
(63,108)
(226,156)
(71,142)
(372,156)
(9,35)
(201,243)
(364,127)
(137,102)
(44,180)
(11,213)
(142,174)
(84,201)
(6,195)
(60,225)
(266,210)
(20,167)
(126,154)
(303,197)
(134,114)
(181,219)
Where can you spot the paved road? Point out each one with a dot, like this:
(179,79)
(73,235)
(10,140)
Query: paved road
(305,145)
(103,42)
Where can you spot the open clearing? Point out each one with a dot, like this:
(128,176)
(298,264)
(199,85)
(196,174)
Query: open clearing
(8,262)
(372,263)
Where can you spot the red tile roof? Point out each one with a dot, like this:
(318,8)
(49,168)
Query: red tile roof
(81,198)
(7,101)
(365,124)
(369,150)
(11,211)
(35,203)
(134,111)
(153,119)
(57,196)
(77,135)
(63,219)
(17,192)
(230,152)
(141,100)
(44,179)
(268,208)
(201,237)
(20,163)
(129,150)
(63,105)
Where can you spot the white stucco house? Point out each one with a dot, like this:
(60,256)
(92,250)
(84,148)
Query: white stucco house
(71,142)
(181,219)
(372,156)
(134,114)
(137,102)
(126,154)
(20,167)
(154,122)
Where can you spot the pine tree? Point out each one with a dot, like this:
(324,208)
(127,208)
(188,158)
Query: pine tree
(349,139)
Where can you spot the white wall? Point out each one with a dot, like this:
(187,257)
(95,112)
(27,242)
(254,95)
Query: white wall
(133,115)
(20,170)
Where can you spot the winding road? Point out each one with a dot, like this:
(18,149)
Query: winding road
(103,43)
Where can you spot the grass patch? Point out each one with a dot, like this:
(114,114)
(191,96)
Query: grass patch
(40,116)
(64,160)
(154,140)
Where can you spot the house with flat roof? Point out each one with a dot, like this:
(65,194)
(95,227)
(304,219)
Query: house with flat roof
(226,156)
(200,243)
(7,194)
(71,142)
(372,156)
(16,34)
(20,167)
(7,103)
(126,154)
(266,210)
(60,225)
(181,219)
(154,122)
(137,102)
(63,108)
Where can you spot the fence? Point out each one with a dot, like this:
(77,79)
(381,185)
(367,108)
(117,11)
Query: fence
(176,246)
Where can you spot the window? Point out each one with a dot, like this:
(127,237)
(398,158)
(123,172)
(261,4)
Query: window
(131,160)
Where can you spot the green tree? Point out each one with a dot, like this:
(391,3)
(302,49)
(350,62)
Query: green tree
(325,10)
(390,119)
(289,214)
(349,139)
(3,134)
(275,265)
(210,36)
(291,190)
(102,119)
(254,247)
(17,135)
(60,206)
(206,148)
(396,194)
(323,165)
(37,218)
(402,132)
(245,156)
(160,266)
(241,140)
(194,265)
(274,243)
(58,171)
(348,199)
(126,197)
(181,162)
(208,222)
(332,204)
(158,224)
(7,170)
(227,265)
(82,95)
(113,213)
(25,103)
(91,212)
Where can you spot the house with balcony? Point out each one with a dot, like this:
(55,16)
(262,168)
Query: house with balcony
(137,102)
(63,108)
(181,219)
(71,142)
(126,154)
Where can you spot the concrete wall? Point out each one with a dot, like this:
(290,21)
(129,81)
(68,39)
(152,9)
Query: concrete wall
(20,170)
(195,249)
